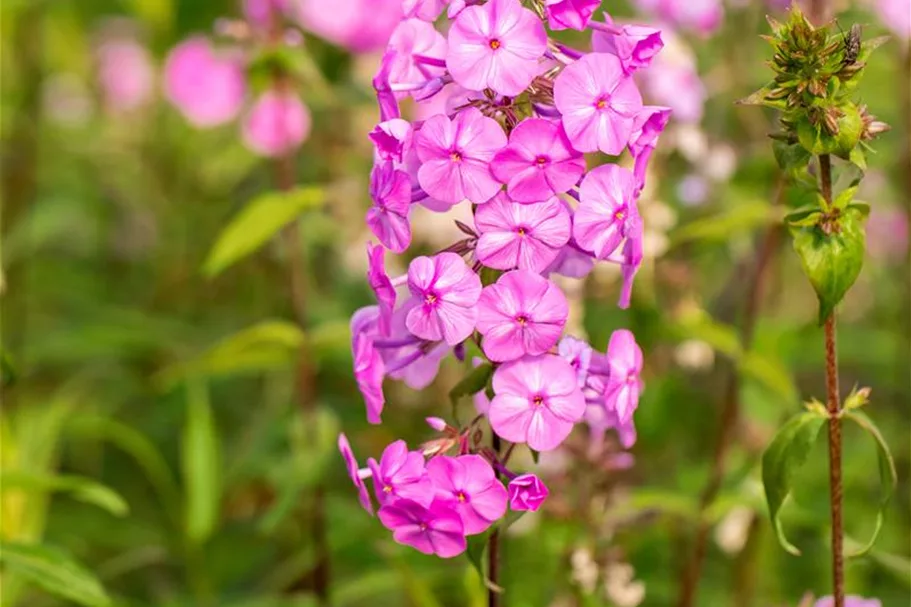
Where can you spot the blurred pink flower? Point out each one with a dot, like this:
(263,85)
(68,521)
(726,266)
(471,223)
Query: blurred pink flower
(125,74)
(702,16)
(673,81)
(277,124)
(360,26)
(570,14)
(887,233)
(207,87)
(261,13)
(850,601)
(895,15)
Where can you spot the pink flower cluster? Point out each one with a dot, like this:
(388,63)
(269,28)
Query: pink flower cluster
(522,110)
(209,87)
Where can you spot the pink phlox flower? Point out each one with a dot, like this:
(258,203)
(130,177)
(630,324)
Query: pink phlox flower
(634,45)
(607,197)
(426,10)
(385,97)
(207,87)
(412,165)
(527,492)
(419,56)
(895,15)
(354,472)
(408,358)
(381,284)
(524,236)
(537,401)
(434,530)
(369,368)
(400,474)
(496,45)
(701,16)
(598,102)
(598,416)
(278,123)
(570,14)
(125,74)
(578,354)
(361,26)
(624,358)
(539,161)
(673,81)
(650,123)
(631,258)
(572,261)
(469,485)
(392,139)
(521,314)
(390,190)
(447,292)
(455,156)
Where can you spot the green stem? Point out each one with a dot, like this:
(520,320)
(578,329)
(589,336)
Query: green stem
(493,552)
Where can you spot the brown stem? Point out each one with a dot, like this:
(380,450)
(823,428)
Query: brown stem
(692,571)
(834,408)
(493,552)
(284,179)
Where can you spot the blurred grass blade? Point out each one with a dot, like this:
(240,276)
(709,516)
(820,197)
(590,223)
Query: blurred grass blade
(200,460)
(789,450)
(55,571)
(266,345)
(771,373)
(257,223)
(417,587)
(140,448)
(80,488)
(744,217)
(888,478)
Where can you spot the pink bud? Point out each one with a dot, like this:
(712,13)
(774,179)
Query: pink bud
(276,124)
(436,423)
(527,492)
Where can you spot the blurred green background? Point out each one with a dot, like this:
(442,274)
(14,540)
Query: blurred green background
(150,432)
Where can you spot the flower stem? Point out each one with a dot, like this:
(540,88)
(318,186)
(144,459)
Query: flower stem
(493,551)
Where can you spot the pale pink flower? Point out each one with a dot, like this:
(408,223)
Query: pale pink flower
(368,369)
(578,354)
(895,15)
(570,14)
(390,190)
(634,45)
(277,124)
(537,401)
(125,74)
(607,194)
(428,10)
(434,530)
(419,53)
(624,358)
(525,236)
(521,314)
(447,292)
(208,88)
(361,26)
(496,45)
(598,102)
(400,474)
(392,139)
(650,123)
(527,492)
(538,162)
(469,485)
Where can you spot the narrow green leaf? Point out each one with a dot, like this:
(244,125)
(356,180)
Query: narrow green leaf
(781,461)
(833,261)
(844,198)
(200,461)
(55,571)
(760,97)
(888,478)
(257,223)
(472,383)
(78,487)
(266,345)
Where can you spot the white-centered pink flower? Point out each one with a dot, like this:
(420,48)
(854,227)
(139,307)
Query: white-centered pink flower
(601,222)
(446,291)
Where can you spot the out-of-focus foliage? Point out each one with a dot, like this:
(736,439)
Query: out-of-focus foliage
(153,452)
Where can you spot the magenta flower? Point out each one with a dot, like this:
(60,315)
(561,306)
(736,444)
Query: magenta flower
(578,354)
(391,139)
(456,154)
(390,190)
(570,14)
(434,530)
(649,125)
(632,256)
(623,384)
(599,103)
(368,373)
(446,290)
(126,75)
(537,401)
(361,26)
(524,236)
(601,222)
(381,285)
(385,97)
(206,87)
(496,45)
(521,314)
(634,45)
(850,601)
(539,162)
(469,485)
(278,123)
(400,474)
(527,492)
(408,358)
(419,55)
(354,472)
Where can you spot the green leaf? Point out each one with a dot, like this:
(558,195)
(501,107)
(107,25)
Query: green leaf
(266,345)
(7,371)
(832,261)
(257,223)
(200,462)
(489,275)
(858,158)
(888,478)
(55,571)
(781,461)
(472,383)
(792,158)
(760,97)
(844,198)
(719,226)
(80,488)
